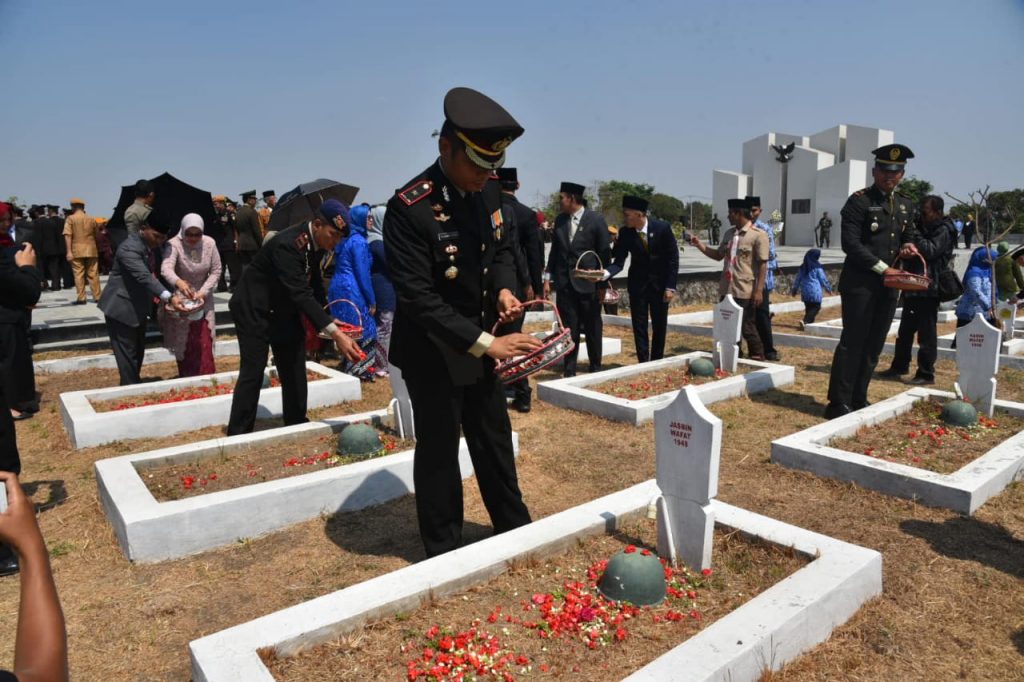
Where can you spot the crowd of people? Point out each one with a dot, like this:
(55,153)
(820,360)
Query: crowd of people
(436,283)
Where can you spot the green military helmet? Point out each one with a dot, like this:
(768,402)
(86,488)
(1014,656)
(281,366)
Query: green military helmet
(360,441)
(634,577)
(701,367)
(1003,247)
(959,413)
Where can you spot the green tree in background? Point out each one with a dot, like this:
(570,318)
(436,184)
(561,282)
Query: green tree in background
(915,188)
(610,193)
(666,207)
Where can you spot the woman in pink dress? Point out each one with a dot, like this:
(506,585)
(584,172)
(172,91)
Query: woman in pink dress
(192,265)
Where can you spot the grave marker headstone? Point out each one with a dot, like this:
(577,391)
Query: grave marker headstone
(977,359)
(401,404)
(1006,313)
(726,334)
(688,443)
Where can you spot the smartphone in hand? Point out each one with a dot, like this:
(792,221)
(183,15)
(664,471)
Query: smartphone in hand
(3,497)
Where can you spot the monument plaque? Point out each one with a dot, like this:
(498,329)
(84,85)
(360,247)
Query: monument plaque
(726,334)
(977,359)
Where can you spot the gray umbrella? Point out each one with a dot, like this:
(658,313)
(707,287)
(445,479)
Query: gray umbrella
(299,205)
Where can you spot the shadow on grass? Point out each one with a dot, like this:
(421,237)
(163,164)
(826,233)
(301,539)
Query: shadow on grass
(58,494)
(972,540)
(1018,640)
(798,402)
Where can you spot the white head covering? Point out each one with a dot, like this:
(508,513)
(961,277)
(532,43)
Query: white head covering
(192,220)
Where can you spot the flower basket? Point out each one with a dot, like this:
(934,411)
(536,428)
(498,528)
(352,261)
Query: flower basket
(589,275)
(556,345)
(908,281)
(611,295)
(354,332)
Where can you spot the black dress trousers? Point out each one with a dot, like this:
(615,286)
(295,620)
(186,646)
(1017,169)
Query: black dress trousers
(920,317)
(868,309)
(443,412)
(643,304)
(582,314)
(290,362)
(129,346)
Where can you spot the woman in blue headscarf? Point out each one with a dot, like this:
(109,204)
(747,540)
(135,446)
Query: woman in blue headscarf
(977,296)
(809,281)
(351,282)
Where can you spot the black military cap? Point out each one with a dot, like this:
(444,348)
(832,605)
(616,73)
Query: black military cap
(572,188)
(635,203)
(753,202)
(482,124)
(269,193)
(738,204)
(508,175)
(246,195)
(892,157)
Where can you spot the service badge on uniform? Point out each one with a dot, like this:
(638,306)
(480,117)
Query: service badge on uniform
(496,223)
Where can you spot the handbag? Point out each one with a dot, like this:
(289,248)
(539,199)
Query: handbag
(611,295)
(949,285)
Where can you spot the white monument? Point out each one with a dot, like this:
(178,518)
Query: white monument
(820,172)
(977,359)
(726,334)
(688,444)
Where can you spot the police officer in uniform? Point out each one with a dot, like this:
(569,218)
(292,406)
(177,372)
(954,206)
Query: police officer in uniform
(268,304)
(872,232)
(452,266)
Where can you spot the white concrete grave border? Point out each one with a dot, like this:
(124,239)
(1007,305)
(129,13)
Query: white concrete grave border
(148,530)
(572,393)
(152,356)
(963,491)
(770,630)
(87,427)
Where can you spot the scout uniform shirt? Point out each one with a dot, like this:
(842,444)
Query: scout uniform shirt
(82,230)
(449,256)
(738,277)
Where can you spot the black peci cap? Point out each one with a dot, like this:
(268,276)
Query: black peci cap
(572,188)
(738,204)
(246,195)
(508,175)
(635,203)
(482,124)
(159,220)
(753,202)
(892,157)
(269,193)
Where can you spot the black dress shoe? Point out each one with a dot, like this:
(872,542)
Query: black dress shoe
(836,410)
(521,406)
(890,373)
(771,357)
(921,381)
(861,406)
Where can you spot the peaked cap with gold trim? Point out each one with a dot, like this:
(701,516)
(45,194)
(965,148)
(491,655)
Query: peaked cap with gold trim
(482,124)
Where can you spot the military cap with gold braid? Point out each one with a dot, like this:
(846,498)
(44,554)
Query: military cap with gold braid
(892,157)
(482,124)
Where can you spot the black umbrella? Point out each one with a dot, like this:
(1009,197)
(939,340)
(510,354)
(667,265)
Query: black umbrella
(299,205)
(174,200)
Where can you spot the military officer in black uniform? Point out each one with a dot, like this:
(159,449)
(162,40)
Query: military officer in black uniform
(873,224)
(274,293)
(528,248)
(452,266)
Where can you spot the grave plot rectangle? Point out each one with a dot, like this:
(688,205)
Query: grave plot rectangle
(834,328)
(771,629)
(573,393)
(87,427)
(707,316)
(963,491)
(149,530)
(106,360)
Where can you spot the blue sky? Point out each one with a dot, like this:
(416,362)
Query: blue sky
(237,95)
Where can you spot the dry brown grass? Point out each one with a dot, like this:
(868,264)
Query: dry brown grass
(953,586)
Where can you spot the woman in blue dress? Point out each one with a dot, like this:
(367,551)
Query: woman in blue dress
(351,281)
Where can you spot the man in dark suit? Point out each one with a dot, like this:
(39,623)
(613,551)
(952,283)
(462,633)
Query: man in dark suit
(872,233)
(250,236)
(267,307)
(49,239)
(653,272)
(452,265)
(524,231)
(580,236)
(127,299)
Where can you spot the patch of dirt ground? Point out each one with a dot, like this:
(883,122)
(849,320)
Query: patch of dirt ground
(952,606)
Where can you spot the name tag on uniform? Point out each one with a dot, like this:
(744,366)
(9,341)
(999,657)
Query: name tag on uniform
(447,236)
